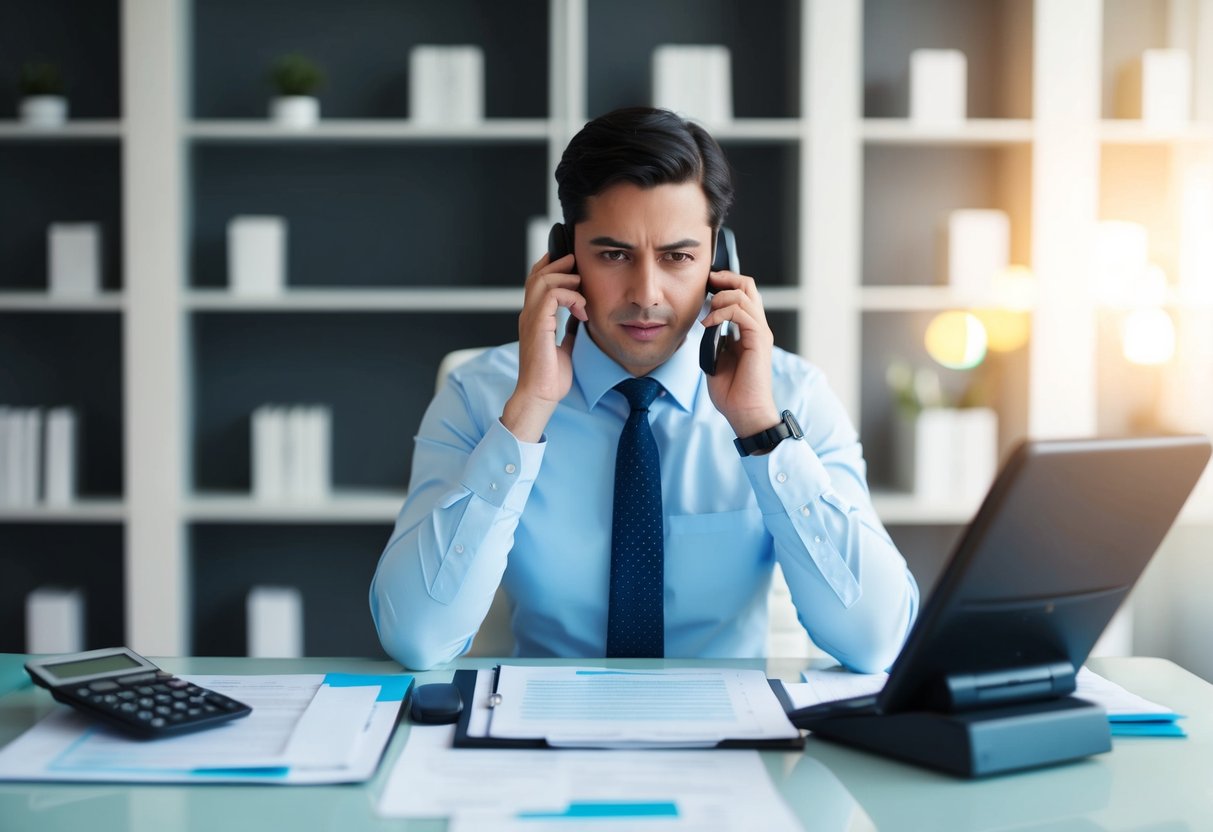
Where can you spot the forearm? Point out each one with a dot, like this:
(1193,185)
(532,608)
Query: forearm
(852,590)
(438,574)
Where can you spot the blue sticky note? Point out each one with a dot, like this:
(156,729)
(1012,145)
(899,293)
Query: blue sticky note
(1147,729)
(392,687)
(656,809)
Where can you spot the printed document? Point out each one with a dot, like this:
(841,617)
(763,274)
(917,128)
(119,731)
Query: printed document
(303,729)
(596,706)
(542,789)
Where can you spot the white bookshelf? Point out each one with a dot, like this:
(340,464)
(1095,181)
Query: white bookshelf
(371,130)
(974,132)
(43,302)
(85,510)
(1046,144)
(84,129)
(341,507)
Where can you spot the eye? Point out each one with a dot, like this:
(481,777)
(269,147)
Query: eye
(679,256)
(614,255)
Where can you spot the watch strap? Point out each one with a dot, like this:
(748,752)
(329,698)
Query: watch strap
(767,439)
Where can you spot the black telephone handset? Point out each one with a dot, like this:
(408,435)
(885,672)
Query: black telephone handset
(716,339)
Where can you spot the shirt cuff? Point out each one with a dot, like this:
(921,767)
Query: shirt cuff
(500,463)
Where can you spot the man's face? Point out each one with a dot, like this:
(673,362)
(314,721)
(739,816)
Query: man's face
(643,255)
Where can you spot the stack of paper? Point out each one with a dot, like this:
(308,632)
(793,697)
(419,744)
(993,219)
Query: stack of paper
(534,789)
(292,452)
(303,729)
(37,456)
(601,707)
(1128,713)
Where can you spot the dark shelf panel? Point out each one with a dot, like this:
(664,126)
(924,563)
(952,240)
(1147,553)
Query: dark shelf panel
(53,359)
(78,555)
(331,565)
(374,215)
(364,50)
(762,36)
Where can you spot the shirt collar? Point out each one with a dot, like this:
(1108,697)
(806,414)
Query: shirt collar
(596,372)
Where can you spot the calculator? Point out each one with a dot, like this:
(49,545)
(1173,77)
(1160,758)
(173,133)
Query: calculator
(127,691)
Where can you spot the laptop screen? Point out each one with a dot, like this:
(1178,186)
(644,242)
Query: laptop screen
(1063,534)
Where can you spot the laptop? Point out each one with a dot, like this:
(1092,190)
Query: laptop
(1062,536)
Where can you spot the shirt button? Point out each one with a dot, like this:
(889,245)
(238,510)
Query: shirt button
(493,486)
(817,539)
(511,468)
(805,511)
(781,476)
(459,548)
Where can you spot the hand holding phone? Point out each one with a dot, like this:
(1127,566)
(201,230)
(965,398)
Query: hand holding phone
(545,368)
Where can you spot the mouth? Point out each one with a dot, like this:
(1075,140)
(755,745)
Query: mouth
(643,330)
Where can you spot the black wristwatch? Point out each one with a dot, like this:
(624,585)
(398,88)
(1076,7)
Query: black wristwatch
(788,428)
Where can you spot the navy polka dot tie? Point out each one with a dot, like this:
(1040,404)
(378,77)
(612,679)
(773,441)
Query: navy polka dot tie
(636,616)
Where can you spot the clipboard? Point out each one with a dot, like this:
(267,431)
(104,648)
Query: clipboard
(465,680)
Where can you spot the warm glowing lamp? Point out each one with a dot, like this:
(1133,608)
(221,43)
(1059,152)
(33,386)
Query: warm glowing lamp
(957,340)
(1008,326)
(1149,336)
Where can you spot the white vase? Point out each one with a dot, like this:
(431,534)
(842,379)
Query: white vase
(44,110)
(295,110)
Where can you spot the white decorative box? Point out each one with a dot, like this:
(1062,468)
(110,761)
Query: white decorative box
(74,258)
(275,622)
(446,85)
(979,249)
(256,255)
(938,87)
(695,81)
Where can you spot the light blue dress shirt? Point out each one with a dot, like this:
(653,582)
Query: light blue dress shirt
(485,509)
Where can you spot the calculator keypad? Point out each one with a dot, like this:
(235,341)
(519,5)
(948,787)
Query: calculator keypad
(154,703)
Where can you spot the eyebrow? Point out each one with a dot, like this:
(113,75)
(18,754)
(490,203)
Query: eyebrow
(611,242)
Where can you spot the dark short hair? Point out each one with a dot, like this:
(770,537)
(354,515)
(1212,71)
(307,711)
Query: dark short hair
(647,147)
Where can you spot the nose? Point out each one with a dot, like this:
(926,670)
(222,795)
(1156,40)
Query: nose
(643,284)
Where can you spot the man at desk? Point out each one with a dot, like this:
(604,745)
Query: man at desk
(515,481)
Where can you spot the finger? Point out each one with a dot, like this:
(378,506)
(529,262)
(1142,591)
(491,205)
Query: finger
(745,321)
(540,263)
(723,280)
(560,264)
(570,332)
(569,299)
(541,282)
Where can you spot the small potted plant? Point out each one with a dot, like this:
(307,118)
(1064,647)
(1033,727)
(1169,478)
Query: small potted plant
(296,79)
(42,100)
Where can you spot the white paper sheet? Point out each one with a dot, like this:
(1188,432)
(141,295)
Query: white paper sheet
(299,732)
(545,789)
(609,707)
(828,685)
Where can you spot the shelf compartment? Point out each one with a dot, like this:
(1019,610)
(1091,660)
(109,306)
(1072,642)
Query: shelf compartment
(762,37)
(46,183)
(908,193)
(331,565)
(1000,382)
(81,36)
(374,215)
(364,49)
(74,130)
(377,373)
(994,35)
(52,359)
(89,556)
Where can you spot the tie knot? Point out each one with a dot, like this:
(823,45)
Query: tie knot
(639,392)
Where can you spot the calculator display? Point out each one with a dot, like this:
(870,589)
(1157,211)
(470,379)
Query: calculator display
(89,667)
